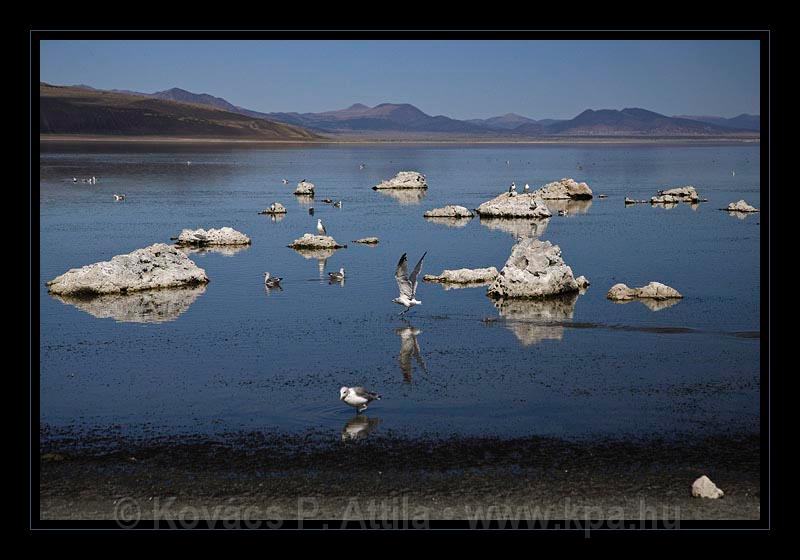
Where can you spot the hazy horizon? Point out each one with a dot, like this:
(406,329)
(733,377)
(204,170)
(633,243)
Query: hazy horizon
(459,79)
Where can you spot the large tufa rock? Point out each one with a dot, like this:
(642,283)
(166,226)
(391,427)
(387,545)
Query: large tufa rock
(510,205)
(274,208)
(534,269)
(565,189)
(704,488)
(157,266)
(311,241)
(464,276)
(740,206)
(654,290)
(404,180)
(204,238)
(449,211)
(304,188)
(677,194)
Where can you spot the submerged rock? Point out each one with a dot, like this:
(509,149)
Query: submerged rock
(449,211)
(157,266)
(311,241)
(510,205)
(741,206)
(276,208)
(704,488)
(653,290)
(677,194)
(464,276)
(304,188)
(534,269)
(367,240)
(565,189)
(403,180)
(202,238)
(149,306)
(535,320)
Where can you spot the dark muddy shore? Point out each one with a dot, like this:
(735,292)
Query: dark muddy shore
(275,476)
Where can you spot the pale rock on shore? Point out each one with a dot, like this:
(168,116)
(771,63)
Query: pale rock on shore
(203,238)
(156,266)
(534,269)
(653,290)
(464,276)
(449,211)
(311,241)
(403,180)
(704,488)
(740,206)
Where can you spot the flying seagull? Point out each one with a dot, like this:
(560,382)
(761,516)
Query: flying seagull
(358,397)
(321,228)
(272,281)
(407,284)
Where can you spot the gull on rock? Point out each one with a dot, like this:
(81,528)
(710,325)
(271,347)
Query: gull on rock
(357,397)
(321,228)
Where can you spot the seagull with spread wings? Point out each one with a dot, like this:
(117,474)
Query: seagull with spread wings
(407,284)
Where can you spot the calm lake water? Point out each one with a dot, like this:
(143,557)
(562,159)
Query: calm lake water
(230,356)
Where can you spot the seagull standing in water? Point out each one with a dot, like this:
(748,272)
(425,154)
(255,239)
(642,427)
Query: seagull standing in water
(358,397)
(407,284)
(321,228)
(336,276)
(272,281)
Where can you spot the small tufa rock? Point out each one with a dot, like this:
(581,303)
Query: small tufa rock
(677,194)
(704,488)
(404,180)
(304,188)
(632,201)
(464,276)
(653,290)
(518,206)
(740,206)
(367,240)
(276,208)
(565,189)
(449,211)
(311,241)
(204,238)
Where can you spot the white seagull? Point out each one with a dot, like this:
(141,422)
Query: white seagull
(337,276)
(358,397)
(513,187)
(286,181)
(321,228)
(527,187)
(119,197)
(407,284)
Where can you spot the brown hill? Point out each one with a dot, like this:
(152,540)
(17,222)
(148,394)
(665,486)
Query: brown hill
(79,111)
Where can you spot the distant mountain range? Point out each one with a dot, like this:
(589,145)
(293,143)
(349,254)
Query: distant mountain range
(390,120)
(84,111)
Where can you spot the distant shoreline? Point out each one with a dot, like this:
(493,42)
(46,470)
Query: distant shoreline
(46,138)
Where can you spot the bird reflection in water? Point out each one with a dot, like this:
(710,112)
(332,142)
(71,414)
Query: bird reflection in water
(409,348)
(359,427)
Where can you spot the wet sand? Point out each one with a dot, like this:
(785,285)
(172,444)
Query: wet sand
(275,476)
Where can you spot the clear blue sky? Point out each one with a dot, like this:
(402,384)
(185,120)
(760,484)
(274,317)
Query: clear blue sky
(460,79)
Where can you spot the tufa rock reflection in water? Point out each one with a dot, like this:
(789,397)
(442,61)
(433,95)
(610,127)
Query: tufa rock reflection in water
(149,306)
(517,227)
(405,196)
(535,320)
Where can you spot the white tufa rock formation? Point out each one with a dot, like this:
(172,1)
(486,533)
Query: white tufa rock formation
(449,211)
(157,266)
(507,205)
(304,188)
(565,189)
(203,238)
(740,206)
(677,194)
(464,276)
(534,269)
(311,241)
(276,208)
(654,290)
(404,180)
